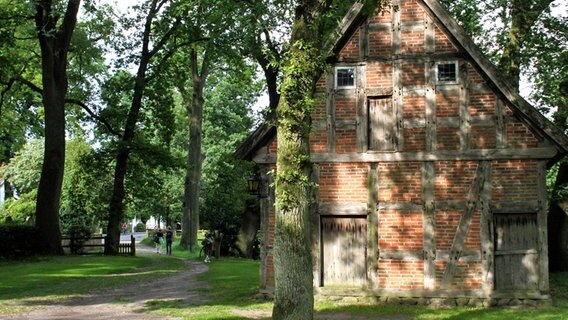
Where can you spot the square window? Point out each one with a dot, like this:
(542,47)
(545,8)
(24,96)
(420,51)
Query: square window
(447,72)
(345,77)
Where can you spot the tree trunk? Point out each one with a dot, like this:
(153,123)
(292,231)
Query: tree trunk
(293,293)
(116,207)
(54,47)
(524,14)
(192,183)
(250,224)
(558,210)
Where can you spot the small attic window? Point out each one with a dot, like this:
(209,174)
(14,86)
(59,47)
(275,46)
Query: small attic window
(447,72)
(344,77)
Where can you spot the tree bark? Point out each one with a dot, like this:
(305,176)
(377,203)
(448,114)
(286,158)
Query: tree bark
(54,44)
(558,213)
(116,207)
(524,14)
(293,293)
(192,185)
(250,224)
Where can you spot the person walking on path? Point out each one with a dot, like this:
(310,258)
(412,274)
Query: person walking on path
(207,244)
(158,240)
(169,240)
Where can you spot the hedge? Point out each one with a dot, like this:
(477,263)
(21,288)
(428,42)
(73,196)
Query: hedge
(17,240)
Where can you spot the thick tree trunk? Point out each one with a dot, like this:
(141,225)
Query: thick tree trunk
(54,46)
(192,185)
(293,292)
(250,224)
(524,14)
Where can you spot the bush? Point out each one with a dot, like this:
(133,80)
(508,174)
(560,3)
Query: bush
(79,234)
(140,227)
(17,240)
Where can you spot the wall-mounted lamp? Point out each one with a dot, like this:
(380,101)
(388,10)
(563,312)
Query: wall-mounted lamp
(254,186)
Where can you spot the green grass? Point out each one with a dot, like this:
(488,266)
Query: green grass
(229,286)
(62,277)
(227,291)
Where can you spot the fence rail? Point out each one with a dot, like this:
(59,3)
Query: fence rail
(96,244)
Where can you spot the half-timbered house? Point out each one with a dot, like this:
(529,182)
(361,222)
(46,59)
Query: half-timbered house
(430,167)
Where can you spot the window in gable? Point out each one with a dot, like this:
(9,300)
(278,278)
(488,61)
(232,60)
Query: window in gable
(344,77)
(447,72)
(382,124)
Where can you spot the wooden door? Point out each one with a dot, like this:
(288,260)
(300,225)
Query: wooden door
(516,252)
(344,251)
(381,124)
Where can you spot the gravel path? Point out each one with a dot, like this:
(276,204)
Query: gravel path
(126,302)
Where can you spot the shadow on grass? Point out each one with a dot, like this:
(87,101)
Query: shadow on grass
(233,288)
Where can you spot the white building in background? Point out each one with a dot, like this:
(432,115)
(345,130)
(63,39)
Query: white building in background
(2,192)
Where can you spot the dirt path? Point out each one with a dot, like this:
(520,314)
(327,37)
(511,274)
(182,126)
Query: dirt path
(126,302)
(129,302)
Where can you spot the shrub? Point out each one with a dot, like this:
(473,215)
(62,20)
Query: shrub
(79,234)
(140,227)
(17,240)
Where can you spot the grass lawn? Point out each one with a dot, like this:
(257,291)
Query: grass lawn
(62,277)
(228,290)
(232,288)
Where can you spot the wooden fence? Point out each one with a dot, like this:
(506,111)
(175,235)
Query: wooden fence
(95,244)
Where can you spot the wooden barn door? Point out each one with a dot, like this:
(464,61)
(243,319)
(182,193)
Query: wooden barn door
(382,124)
(516,252)
(344,250)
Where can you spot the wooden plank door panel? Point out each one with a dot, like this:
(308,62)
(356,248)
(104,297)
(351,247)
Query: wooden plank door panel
(344,242)
(516,252)
(381,124)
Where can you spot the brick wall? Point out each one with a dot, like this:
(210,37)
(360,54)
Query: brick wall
(318,141)
(467,276)
(401,274)
(446,225)
(448,138)
(400,181)
(514,180)
(413,74)
(343,182)
(345,141)
(400,230)
(447,105)
(379,75)
(351,49)
(453,179)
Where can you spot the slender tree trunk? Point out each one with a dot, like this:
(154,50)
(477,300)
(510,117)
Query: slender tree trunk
(116,207)
(54,46)
(192,185)
(558,210)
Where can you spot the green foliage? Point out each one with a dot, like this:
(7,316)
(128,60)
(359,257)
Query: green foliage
(84,191)
(140,227)
(226,123)
(20,210)
(556,193)
(17,241)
